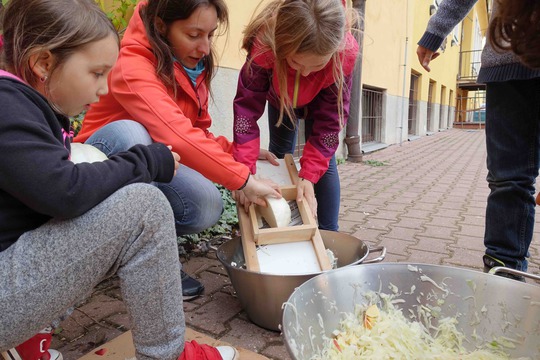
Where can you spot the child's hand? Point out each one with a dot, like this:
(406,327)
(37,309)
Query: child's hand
(305,191)
(267,155)
(176,158)
(255,191)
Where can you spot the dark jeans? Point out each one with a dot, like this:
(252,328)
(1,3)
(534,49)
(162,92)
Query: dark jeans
(513,143)
(327,189)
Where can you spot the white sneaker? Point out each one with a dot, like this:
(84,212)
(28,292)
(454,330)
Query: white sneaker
(55,355)
(228,352)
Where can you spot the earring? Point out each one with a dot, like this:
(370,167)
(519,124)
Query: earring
(43,78)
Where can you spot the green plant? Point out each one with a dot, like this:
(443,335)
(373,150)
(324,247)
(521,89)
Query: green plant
(119,12)
(226,226)
(76,122)
(375,163)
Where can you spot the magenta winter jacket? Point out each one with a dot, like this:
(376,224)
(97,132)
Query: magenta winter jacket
(317,96)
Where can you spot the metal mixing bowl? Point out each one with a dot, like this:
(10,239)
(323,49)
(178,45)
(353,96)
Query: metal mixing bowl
(488,306)
(262,295)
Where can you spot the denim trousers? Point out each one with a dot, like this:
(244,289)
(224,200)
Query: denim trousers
(327,189)
(513,145)
(195,200)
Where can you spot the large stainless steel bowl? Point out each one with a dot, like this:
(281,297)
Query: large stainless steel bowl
(491,306)
(262,295)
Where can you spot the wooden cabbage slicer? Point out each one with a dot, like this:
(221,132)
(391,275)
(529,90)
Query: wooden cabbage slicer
(252,235)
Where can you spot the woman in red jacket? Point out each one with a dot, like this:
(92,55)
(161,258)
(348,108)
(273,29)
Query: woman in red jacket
(159,92)
(301,57)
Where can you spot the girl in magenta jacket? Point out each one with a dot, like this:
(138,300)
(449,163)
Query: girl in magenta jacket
(301,57)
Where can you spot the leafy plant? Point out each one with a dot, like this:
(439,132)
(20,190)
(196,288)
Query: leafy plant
(76,122)
(375,163)
(119,12)
(226,226)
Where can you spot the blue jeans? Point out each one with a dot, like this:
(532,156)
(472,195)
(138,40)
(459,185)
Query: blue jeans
(195,200)
(327,189)
(513,149)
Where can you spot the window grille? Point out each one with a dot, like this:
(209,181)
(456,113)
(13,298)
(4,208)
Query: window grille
(372,110)
(413,96)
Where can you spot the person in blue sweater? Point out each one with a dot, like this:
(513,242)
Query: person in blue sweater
(65,227)
(512,127)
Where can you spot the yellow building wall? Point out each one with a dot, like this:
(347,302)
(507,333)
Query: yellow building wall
(392,29)
(444,69)
(384,45)
(228,47)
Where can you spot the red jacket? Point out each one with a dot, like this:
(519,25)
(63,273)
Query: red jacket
(136,93)
(317,93)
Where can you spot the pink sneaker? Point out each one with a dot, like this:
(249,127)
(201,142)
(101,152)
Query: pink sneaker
(195,351)
(36,348)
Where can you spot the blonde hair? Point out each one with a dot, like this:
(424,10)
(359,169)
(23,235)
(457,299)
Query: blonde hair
(288,27)
(60,26)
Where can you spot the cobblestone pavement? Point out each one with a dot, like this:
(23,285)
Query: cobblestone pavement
(423,200)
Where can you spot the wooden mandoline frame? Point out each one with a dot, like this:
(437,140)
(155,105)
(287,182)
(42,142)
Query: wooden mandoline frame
(252,235)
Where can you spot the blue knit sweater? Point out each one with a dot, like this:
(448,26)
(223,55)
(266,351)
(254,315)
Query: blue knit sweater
(496,66)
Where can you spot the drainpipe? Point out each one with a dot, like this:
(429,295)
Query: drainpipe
(352,136)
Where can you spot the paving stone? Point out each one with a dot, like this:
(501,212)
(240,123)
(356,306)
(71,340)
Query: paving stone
(470,242)
(403,233)
(439,232)
(213,316)
(100,307)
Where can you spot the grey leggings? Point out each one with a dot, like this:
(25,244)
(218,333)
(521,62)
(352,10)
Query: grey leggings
(53,267)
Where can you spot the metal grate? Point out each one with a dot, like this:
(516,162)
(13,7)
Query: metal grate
(450,105)
(431,89)
(300,139)
(472,108)
(442,120)
(413,106)
(372,109)
(469,65)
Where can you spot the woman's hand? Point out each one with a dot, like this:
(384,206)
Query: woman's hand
(305,191)
(176,158)
(255,191)
(267,155)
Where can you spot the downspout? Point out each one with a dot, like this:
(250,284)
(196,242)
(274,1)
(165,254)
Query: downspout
(404,112)
(352,136)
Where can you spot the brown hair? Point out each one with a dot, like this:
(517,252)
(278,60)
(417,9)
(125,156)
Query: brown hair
(287,27)
(59,26)
(516,27)
(169,11)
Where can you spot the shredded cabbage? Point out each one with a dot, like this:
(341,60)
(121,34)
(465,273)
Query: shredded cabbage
(393,336)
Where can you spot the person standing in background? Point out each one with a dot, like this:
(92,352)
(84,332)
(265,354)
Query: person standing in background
(512,122)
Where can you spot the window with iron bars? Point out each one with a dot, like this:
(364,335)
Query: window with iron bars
(413,106)
(372,110)
(431,90)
